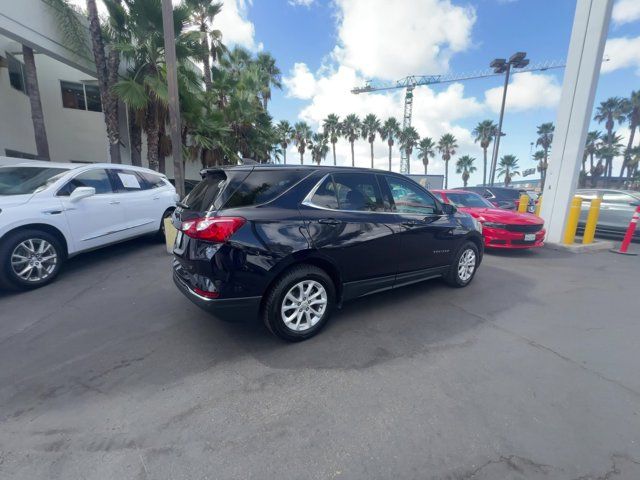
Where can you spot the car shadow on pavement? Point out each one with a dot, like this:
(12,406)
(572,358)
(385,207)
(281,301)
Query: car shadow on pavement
(417,319)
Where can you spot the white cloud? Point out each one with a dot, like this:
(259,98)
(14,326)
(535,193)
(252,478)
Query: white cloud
(433,113)
(626,11)
(622,52)
(526,91)
(235,26)
(425,34)
(301,83)
(303,3)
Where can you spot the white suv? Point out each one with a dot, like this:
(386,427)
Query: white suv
(51,211)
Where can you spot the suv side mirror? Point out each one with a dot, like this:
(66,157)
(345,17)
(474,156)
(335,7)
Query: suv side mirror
(448,209)
(81,192)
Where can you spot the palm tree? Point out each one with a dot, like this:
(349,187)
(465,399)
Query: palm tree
(465,166)
(610,111)
(633,117)
(37,116)
(369,129)
(107,74)
(541,164)
(331,126)
(544,140)
(408,139)
(447,146)
(319,146)
(389,131)
(144,90)
(484,133)
(350,129)
(270,76)
(284,132)
(507,168)
(592,144)
(301,137)
(202,14)
(426,150)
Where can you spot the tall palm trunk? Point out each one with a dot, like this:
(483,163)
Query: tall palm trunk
(591,163)
(206,64)
(333,146)
(446,173)
(162,133)
(301,158)
(353,156)
(108,99)
(627,154)
(371,144)
(153,132)
(135,138)
(390,148)
(284,153)
(39,129)
(484,166)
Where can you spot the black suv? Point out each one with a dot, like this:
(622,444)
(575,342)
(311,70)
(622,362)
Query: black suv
(291,243)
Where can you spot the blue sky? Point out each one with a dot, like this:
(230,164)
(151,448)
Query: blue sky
(325,47)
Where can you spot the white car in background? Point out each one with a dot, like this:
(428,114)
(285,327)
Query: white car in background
(52,211)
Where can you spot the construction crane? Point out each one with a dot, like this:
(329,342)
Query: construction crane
(411,82)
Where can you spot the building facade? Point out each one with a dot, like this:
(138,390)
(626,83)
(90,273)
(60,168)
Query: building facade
(68,89)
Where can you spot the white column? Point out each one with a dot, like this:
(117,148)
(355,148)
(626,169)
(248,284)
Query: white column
(586,48)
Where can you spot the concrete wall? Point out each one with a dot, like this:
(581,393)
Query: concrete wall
(73,134)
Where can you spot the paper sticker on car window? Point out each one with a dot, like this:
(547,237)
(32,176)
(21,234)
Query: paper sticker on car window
(129,181)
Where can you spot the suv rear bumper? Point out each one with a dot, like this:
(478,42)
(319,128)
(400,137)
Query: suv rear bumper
(230,309)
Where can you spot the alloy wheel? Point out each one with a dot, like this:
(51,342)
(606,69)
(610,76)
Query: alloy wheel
(466,264)
(34,260)
(304,305)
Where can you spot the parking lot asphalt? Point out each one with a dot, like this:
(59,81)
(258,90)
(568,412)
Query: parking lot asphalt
(531,372)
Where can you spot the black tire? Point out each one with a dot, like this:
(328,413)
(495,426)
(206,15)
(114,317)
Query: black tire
(9,278)
(271,310)
(454,277)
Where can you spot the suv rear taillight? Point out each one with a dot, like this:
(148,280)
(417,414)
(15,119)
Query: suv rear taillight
(212,229)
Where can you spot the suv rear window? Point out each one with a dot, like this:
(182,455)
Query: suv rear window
(203,195)
(262,186)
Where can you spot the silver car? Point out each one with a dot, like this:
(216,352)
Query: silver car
(616,210)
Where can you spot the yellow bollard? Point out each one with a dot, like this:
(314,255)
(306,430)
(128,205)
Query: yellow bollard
(524,203)
(592,221)
(170,233)
(538,205)
(572,221)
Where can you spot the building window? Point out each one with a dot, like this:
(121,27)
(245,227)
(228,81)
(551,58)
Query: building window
(80,96)
(17,77)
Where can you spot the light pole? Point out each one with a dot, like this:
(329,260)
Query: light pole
(500,65)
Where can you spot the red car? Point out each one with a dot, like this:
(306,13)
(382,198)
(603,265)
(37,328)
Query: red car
(500,228)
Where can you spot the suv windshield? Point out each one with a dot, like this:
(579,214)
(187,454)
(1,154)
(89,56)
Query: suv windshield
(25,180)
(472,200)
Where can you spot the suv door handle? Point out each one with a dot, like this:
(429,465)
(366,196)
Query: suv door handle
(329,221)
(413,223)
(114,202)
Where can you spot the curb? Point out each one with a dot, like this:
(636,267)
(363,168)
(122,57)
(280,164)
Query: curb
(596,246)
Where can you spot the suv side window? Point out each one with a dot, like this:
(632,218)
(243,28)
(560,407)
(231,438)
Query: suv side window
(325,196)
(154,181)
(357,192)
(97,178)
(409,198)
(129,181)
(262,186)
